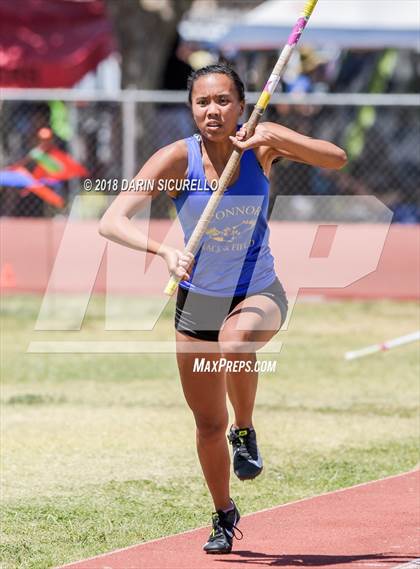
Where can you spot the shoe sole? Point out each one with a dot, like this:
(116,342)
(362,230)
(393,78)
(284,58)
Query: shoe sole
(221,552)
(243,478)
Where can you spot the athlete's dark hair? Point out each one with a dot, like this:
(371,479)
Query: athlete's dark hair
(221,68)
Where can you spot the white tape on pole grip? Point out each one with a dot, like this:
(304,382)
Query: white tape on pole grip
(272,83)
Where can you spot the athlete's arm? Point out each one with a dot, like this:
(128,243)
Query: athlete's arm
(274,140)
(167,163)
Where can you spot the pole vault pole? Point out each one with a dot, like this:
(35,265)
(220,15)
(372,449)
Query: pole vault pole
(385,346)
(233,162)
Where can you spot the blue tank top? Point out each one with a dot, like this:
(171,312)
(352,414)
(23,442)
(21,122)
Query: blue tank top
(234,257)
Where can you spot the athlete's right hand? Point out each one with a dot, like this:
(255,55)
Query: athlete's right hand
(178,262)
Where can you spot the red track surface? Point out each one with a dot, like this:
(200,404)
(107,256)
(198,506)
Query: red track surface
(30,247)
(370,525)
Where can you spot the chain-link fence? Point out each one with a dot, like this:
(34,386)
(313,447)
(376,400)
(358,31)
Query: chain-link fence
(112,138)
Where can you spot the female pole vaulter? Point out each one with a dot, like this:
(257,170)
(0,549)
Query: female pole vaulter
(230,297)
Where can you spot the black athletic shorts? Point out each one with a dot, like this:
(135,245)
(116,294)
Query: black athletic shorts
(201,316)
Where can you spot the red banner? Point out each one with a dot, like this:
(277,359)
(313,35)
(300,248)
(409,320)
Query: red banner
(51,43)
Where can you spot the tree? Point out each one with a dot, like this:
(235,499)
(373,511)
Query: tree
(145,31)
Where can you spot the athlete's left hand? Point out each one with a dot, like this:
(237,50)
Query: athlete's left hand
(261,137)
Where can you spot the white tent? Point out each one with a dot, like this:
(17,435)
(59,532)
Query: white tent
(339,23)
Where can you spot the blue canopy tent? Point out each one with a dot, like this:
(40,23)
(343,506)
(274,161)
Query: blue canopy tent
(365,24)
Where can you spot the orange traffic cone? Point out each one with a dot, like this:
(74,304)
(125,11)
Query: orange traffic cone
(7,276)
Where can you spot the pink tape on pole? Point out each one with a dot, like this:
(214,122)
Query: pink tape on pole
(297,31)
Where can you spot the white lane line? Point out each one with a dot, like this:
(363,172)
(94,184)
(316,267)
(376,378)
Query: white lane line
(414,564)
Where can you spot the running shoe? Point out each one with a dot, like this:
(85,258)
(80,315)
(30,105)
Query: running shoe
(247,461)
(223,532)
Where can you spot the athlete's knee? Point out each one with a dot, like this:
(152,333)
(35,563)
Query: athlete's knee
(237,342)
(210,427)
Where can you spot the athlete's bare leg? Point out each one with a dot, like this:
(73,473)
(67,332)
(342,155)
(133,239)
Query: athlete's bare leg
(247,328)
(205,393)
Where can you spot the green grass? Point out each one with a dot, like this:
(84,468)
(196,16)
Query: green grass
(98,450)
